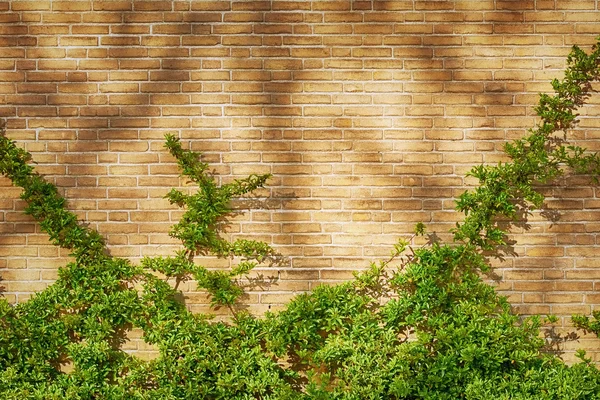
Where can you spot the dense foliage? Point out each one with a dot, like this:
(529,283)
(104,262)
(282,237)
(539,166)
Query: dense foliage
(432,329)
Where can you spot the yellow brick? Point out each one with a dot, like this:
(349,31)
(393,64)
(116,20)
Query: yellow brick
(128,99)
(46,53)
(118,87)
(79,41)
(30,5)
(152,6)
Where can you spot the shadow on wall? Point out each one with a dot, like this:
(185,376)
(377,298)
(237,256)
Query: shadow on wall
(367,114)
(259,75)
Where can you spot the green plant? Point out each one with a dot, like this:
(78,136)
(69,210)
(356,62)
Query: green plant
(432,329)
(83,318)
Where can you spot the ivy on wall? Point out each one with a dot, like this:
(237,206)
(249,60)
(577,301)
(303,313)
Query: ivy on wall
(432,329)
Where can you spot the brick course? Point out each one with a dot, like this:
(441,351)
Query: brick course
(367,113)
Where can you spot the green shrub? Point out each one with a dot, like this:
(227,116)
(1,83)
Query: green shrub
(432,329)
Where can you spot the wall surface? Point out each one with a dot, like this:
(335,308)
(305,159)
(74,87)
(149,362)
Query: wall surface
(367,113)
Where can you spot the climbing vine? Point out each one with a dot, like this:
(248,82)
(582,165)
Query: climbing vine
(432,329)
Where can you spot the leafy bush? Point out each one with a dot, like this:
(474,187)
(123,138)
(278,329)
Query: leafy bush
(432,329)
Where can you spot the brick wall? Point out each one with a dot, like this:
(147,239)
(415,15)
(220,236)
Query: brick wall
(367,113)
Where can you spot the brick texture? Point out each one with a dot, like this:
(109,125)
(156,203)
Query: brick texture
(367,113)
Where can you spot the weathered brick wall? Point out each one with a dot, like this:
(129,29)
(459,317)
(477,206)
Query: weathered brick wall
(367,113)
